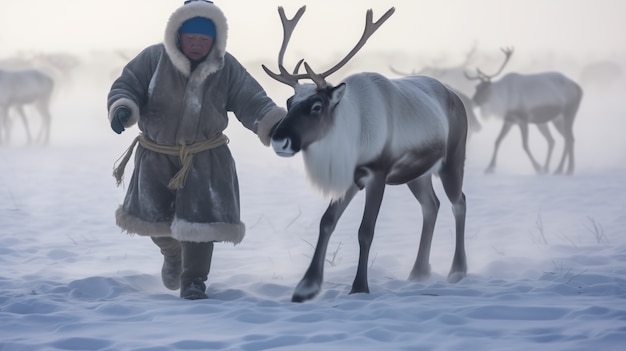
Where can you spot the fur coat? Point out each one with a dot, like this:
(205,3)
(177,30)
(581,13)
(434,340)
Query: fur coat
(175,105)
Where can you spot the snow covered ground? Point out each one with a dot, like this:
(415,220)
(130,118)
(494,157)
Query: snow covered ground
(546,254)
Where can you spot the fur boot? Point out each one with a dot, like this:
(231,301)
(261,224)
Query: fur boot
(172,261)
(196,265)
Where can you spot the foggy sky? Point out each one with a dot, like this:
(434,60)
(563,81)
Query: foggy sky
(591,27)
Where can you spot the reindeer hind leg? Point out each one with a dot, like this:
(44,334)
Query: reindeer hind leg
(565,126)
(545,131)
(4,124)
(422,189)
(452,179)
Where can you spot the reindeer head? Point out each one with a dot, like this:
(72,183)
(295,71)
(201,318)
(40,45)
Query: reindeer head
(483,88)
(310,109)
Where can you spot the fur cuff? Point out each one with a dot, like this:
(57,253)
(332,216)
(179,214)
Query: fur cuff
(206,232)
(131,105)
(267,123)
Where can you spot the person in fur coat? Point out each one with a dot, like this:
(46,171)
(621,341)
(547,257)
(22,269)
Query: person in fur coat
(184,192)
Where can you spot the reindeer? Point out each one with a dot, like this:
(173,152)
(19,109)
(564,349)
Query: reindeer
(525,99)
(364,133)
(20,88)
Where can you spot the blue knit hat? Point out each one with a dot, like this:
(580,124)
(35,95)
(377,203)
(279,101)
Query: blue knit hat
(198,25)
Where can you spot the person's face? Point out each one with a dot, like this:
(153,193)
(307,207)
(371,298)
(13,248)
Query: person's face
(195,46)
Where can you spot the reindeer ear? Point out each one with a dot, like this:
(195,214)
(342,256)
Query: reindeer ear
(337,93)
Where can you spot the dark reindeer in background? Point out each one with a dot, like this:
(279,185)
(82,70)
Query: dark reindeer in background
(364,133)
(21,88)
(523,99)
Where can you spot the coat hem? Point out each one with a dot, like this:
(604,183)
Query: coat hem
(135,225)
(207,232)
(180,229)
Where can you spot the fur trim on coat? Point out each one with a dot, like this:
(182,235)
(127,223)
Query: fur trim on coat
(215,60)
(265,126)
(181,230)
(134,111)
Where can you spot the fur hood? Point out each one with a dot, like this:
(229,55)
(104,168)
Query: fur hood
(215,60)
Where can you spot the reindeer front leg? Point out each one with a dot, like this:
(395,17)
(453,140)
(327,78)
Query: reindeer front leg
(524,130)
(506,127)
(374,191)
(311,283)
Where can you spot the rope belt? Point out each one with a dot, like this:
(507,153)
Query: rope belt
(184,152)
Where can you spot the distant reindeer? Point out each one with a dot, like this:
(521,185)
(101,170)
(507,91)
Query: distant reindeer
(367,132)
(20,88)
(454,77)
(525,99)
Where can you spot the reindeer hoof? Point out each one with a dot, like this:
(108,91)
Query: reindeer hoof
(299,298)
(455,277)
(305,291)
(420,274)
(359,291)
(458,270)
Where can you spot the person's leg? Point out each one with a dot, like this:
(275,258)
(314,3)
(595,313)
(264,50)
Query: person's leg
(172,261)
(196,264)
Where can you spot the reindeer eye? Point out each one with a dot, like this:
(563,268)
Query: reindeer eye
(316,107)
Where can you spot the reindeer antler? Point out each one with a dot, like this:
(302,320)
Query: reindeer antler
(288,26)
(479,76)
(370,28)
(405,74)
(486,77)
(319,79)
(507,56)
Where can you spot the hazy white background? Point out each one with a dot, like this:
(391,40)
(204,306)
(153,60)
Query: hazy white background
(588,26)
